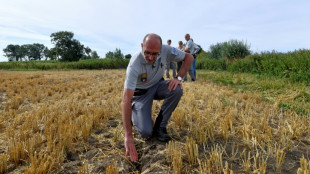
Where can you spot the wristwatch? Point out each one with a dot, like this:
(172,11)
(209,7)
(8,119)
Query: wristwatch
(179,78)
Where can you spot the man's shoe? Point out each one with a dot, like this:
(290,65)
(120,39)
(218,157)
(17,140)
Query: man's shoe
(161,134)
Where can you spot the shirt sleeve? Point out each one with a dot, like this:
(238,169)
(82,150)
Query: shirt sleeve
(176,54)
(131,78)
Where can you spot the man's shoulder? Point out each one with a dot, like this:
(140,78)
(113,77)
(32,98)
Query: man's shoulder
(136,56)
(165,48)
(135,59)
(168,50)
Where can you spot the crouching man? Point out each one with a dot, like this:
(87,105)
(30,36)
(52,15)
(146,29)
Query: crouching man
(144,83)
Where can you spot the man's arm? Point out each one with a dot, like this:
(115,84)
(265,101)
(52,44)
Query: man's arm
(186,50)
(126,116)
(188,59)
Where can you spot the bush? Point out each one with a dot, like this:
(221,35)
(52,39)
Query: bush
(293,65)
(211,64)
(203,54)
(232,49)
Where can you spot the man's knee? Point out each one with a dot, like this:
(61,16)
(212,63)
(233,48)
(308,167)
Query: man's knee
(178,91)
(145,133)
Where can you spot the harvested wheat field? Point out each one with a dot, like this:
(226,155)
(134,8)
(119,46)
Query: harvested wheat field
(70,122)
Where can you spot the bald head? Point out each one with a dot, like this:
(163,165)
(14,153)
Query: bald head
(152,37)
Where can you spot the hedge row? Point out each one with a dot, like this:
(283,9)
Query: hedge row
(293,65)
(82,64)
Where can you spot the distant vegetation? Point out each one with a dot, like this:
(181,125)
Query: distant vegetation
(233,56)
(232,49)
(58,65)
(293,65)
(66,49)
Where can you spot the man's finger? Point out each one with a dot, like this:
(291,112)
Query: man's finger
(175,86)
(171,86)
(126,153)
(134,156)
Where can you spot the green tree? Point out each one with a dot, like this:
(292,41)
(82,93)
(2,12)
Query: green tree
(67,48)
(109,55)
(94,55)
(24,51)
(116,54)
(45,52)
(12,52)
(127,56)
(51,54)
(34,51)
(87,52)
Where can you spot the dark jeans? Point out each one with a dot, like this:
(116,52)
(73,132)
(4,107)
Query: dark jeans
(142,107)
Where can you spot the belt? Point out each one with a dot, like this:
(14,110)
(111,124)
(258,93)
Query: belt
(139,92)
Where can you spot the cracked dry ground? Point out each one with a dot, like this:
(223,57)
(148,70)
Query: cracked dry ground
(70,122)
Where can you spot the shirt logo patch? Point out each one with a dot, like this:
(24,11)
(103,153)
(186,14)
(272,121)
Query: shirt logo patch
(144,77)
(174,51)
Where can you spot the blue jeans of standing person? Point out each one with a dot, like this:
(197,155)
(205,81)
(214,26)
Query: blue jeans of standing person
(194,67)
(142,107)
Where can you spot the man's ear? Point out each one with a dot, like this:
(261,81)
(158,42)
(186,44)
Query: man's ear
(142,46)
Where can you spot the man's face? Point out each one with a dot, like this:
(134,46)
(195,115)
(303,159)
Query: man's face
(150,51)
(169,42)
(187,37)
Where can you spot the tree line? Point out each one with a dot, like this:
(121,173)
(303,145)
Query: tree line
(117,54)
(66,48)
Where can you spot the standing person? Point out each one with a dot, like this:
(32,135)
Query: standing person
(189,48)
(181,47)
(144,83)
(169,42)
(170,65)
(194,55)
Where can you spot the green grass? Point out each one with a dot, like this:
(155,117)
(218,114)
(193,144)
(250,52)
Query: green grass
(284,92)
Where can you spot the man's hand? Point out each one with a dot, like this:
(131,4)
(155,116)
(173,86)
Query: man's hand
(126,116)
(131,149)
(173,84)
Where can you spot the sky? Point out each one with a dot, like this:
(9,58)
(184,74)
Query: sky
(102,25)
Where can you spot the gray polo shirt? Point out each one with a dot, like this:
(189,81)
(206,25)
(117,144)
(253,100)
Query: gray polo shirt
(141,75)
(190,44)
